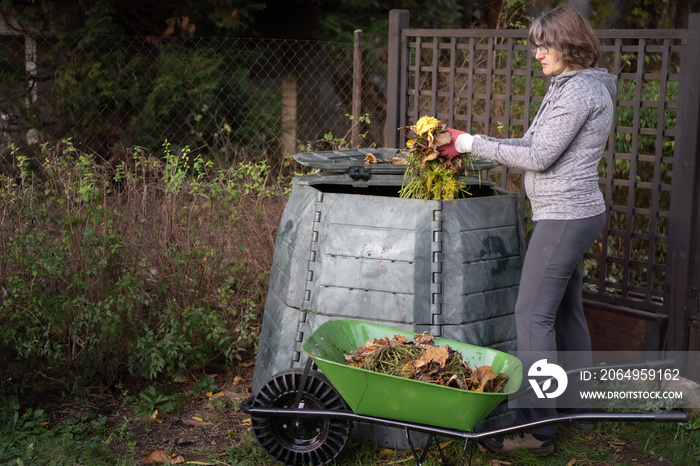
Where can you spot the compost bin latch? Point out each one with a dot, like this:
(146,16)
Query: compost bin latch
(359,174)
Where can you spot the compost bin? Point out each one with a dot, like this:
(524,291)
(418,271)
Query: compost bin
(349,247)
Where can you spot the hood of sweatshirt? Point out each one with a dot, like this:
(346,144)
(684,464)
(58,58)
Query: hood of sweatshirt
(601,74)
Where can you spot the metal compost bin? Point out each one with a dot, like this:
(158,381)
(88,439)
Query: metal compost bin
(349,247)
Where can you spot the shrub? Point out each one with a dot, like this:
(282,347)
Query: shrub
(155,267)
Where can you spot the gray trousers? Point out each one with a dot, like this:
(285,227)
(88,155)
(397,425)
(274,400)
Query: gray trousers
(549,310)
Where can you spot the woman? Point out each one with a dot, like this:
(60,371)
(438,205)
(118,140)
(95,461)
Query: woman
(560,153)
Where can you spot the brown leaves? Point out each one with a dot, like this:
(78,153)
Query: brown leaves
(161,457)
(433,355)
(425,145)
(421,360)
(483,379)
(430,175)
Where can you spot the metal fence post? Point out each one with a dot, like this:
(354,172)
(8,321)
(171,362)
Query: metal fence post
(683,250)
(398,21)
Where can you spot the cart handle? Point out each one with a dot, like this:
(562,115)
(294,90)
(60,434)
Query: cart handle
(670,416)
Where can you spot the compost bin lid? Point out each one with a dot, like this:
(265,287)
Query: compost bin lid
(342,161)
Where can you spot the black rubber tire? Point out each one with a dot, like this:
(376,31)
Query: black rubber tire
(300,440)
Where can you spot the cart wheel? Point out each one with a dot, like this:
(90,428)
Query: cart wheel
(305,440)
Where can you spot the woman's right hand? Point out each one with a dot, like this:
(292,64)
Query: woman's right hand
(461,143)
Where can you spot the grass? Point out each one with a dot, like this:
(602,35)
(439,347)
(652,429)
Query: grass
(74,434)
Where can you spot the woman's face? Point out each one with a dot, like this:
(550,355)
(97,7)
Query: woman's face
(551,62)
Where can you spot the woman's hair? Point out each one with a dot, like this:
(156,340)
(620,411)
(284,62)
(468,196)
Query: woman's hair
(569,33)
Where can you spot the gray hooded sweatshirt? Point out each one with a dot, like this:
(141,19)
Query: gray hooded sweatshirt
(562,147)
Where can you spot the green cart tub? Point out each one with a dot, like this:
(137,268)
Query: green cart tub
(391,397)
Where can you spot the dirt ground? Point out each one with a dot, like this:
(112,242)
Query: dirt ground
(221,426)
(208,425)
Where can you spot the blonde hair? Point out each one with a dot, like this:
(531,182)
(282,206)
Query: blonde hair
(569,33)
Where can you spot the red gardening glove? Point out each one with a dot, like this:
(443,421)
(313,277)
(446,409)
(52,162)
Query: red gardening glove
(448,150)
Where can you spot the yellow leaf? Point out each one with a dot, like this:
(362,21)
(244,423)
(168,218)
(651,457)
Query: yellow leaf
(155,418)
(195,422)
(426,125)
(197,418)
(407,371)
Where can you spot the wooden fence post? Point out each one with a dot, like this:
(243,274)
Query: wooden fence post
(288,137)
(398,21)
(683,250)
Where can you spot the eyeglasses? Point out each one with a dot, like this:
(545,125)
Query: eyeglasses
(534,48)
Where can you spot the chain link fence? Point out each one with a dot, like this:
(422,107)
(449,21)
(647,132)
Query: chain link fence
(224,97)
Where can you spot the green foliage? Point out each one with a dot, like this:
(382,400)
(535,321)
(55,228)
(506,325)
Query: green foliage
(629,163)
(204,386)
(140,270)
(28,437)
(113,96)
(111,91)
(150,399)
(332,141)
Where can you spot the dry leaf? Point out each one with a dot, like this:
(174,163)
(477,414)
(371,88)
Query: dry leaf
(238,380)
(155,417)
(616,444)
(446,443)
(424,339)
(438,355)
(571,462)
(495,462)
(442,138)
(370,158)
(407,371)
(161,457)
(455,381)
(429,155)
(196,421)
(481,376)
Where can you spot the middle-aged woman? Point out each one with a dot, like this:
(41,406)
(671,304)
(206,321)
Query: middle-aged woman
(559,153)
